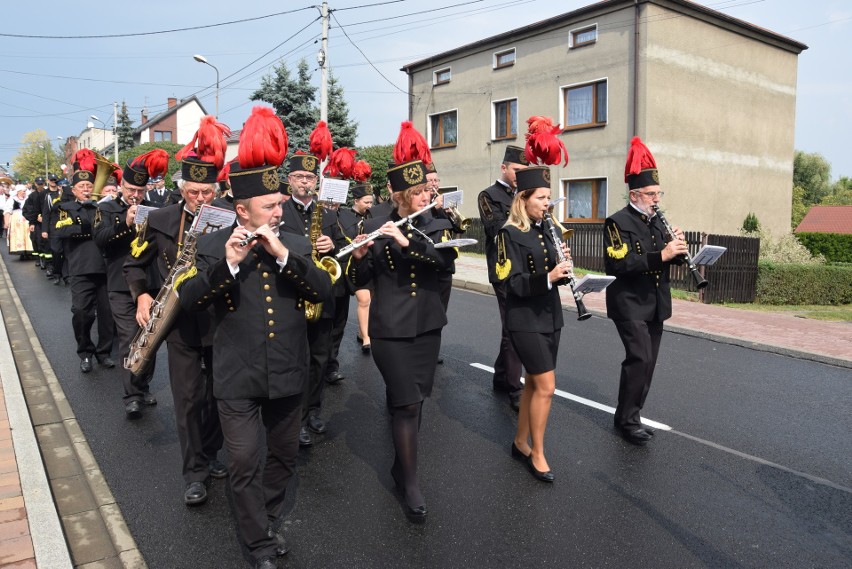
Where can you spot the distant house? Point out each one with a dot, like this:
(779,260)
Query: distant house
(713,97)
(233,145)
(177,123)
(827,219)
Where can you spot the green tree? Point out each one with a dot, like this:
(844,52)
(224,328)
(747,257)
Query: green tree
(812,173)
(293,101)
(29,162)
(344,130)
(841,193)
(170,147)
(377,157)
(799,207)
(124,129)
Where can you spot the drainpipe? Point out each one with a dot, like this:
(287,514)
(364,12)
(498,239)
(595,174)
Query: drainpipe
(635,68)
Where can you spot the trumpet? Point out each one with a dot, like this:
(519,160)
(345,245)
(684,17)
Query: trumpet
(582,313)
(700,281)
(459,221)
(370,236)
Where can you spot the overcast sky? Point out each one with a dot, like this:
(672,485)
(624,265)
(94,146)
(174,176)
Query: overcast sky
(55,84)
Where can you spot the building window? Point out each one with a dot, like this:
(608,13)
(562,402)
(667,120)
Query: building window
(506,119)
(584,36)
(444,129)
(442,76)
(585,105)
(162,136)
(504,58)
(585,200)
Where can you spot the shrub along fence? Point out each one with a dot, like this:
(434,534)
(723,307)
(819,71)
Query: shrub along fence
(804,284)
(835,247)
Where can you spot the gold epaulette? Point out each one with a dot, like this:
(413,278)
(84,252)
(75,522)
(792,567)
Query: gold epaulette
(184,276)
(617,248)
(136,249)
(504,263)
(64,220)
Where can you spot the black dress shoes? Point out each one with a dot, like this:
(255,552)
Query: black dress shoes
(56,281)
(538,474)
(107,362)
(517,454)
(440,359)
(305,439)
(217,469)
(148,398)
(515,401)
(415,514)
(638,436)
(86,365)
(267,562)
(195,494)
(133,410)
(278,536)
(316,424)
(334,377)
(365,349)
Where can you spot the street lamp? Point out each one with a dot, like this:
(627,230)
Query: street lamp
(202,59)
(45,145)
(94,118)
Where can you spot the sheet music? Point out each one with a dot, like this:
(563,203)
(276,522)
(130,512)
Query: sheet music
(708,255)
(463,242)
(593,283)
(453,199)
(210,219)
(334,190)
(142,212)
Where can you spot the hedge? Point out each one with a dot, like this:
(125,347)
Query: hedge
(803,284)
(835,247)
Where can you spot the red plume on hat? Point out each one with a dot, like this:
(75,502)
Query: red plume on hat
(118,173)
(225,172)
(410,145)
(263,140)
(341,164)
(362,171)
(319,143)
(543,145)
(84,159)
(209,143)
(639,158)
(156,162)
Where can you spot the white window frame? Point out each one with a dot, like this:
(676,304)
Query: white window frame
(561,209)
(563,88)
(430,134)
(494,119)
(494,64)
(577,31)
(437,72)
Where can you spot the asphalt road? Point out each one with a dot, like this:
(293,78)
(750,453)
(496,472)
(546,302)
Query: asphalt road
(756,470)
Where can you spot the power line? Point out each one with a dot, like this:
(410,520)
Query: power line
(430,11)
(367,5)
(342,29)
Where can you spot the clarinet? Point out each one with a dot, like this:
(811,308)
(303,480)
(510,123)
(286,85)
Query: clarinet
(700,282)
(582,313)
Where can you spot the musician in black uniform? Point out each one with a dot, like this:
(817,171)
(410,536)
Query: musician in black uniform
(495,202)
(407,319)
(158,195)
(49,216)
(639,299)
(296,217)
(528,267)
(114,234)
(32,213)
(190,340)
(87,270)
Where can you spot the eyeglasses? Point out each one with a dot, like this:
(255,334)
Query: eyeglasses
(195,193)
(305,177)
(651,195)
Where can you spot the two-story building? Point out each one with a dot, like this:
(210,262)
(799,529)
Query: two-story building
(712,96)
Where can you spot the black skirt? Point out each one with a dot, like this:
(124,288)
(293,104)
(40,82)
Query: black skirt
(408,366)
(536,350)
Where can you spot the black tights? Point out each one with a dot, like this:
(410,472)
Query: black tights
(405,425)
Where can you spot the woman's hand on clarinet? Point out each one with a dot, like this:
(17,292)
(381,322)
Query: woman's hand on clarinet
(561,271)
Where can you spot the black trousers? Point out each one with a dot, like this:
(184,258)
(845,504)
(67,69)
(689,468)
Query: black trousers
(641,345)
(319,339)
(35,238)
(341,315)
(259,491)
(507,366)
(124,314)
(89,299)
(196,414)
(58,256)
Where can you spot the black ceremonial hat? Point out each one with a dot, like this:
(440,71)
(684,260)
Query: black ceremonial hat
(361,190)
(304,163)
(194,170)
(515,155)
(407,175)
(82,176)
(252,182)
(135,175)
(533,177)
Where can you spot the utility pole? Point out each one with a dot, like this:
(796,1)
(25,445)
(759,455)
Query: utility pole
(115,129)
(322,59)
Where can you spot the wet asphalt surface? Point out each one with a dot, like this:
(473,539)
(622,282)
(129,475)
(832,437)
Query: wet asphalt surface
(757,471)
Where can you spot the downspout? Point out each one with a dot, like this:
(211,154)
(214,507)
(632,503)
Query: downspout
(636,68)
(410,96)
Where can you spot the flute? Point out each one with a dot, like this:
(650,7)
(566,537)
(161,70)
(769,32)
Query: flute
(254,236)
(352,246)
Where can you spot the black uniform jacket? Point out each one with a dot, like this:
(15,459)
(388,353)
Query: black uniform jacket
(524,259)
(33,207)
(260,344)
(494,202)
(382,209)
(154,198)
(224,202)
(351,224)
(158,248)
(407,300)
(49,211)
(633,255)
(74,227)
(113,237)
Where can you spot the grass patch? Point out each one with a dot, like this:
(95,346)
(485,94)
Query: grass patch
(841,313)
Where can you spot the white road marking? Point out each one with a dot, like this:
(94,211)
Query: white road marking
(584,401)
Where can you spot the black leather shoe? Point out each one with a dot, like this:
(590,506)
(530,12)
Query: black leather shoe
(107,362)
(515,401)
(334,377)
(217,469)
(416,514)
(278,536)
(133,410)
(440,359)
(538,474)
(267,562)
(148,398)
(365,349)
(195,494)
(316,424)
(56,281)
(517,454)
(305,439)
(639,436)
(86,365)
(48,273)
(649,430)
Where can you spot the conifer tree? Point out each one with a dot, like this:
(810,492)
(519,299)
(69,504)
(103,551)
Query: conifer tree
(124,129)
(344,131)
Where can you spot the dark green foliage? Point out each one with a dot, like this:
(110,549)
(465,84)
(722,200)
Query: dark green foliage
(293,101)
(835,247)
(751,224)
(344,131)
(124,129)
(170,147)
(803,284)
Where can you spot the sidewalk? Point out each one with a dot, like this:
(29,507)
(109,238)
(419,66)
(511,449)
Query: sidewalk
(827,342)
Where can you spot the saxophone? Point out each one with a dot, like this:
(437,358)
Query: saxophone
(164,310)
(328,264)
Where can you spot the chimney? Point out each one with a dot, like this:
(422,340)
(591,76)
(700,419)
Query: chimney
(144,116)
(172,102)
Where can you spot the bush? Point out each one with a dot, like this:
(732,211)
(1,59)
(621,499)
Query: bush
(170,147)
(835,247)
(784,249)
(803,284)
(751,224)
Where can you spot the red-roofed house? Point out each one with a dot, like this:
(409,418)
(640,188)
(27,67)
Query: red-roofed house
(827,219)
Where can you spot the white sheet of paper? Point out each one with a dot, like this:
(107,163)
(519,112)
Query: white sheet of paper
(592,283)
(210,219)
(708,255)
(333,190)
(464,242)
(453,199)
(142,213)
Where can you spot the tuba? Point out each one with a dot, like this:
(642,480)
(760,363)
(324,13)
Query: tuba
(105,169)
(328,264)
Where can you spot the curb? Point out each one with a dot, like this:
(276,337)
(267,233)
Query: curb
(720,338)
(93,525)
